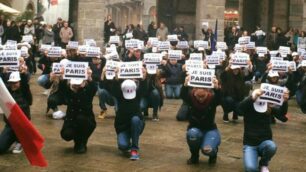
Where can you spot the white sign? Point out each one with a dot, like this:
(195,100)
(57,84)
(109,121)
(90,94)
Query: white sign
(202,78)
(132,43)
(75,70)
(56,68)
(93,52)
(175,54)
(152,58)
(238,47)
(11,42)
(114,40)
(55,52)
(292,65)
(221,45)
(90,42)
(45,47)
(24,52)
(272,94)
(280,66)
(73,45)
(250,45)
(10,47)
(284,51)
(110,66)
(240,59)
(82,49)
(221,54)
(193,65)
(172,38)
(261,50)
(196,56)
(200,43)
(244,40)
(276,59)
(27,38)
(9,58)
(273,53)
(113,55)
(164,46)
(301,43)
(212,60)
(182,45)
(130,70)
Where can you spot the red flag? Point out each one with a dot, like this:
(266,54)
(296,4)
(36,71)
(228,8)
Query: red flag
(28,136)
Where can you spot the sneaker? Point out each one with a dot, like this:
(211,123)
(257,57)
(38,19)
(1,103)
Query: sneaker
(102,114)
(225,118)
(264,169)
(193,160)
(134,155)
(155,119)
(58,115)
(46,92)
(17,149)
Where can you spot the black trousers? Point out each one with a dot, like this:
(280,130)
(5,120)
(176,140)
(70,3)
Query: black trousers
(78,129)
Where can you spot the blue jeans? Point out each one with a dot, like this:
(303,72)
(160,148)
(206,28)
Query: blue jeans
(173,91)
(299,97)
(105,97)
(124,138)
(198,139)
(153,100)
(266,150)
(182,114)
(43,80)
(258,75)
(7,138)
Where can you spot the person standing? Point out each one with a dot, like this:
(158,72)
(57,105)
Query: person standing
(162,32)
(66,34)
(109,29)
(272,38)
(56,30)
(48,37)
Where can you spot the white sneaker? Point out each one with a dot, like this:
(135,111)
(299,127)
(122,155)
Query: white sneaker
(58,115)
(264,169)
(46,92)
(17,149)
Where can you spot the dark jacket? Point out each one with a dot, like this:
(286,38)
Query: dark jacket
(201,119)
(257,125)
(127,109)
(234,85)
(173,73)
(80,103)
(97,70)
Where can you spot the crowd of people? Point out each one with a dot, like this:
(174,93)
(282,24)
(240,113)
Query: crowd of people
(165,72)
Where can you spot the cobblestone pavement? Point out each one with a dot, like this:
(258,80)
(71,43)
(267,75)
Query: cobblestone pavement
(163,144)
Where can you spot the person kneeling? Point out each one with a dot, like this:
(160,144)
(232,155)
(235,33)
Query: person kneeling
(79,122)
(257,138)
(202,133)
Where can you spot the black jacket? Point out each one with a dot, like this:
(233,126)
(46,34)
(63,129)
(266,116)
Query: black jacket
(80,103)
(127,109)
(205,119)
(257,125)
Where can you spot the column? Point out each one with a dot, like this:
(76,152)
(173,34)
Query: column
(296,11)
(91,20)
(209,11)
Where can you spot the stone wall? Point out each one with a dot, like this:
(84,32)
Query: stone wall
(209,11)
(90,22)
